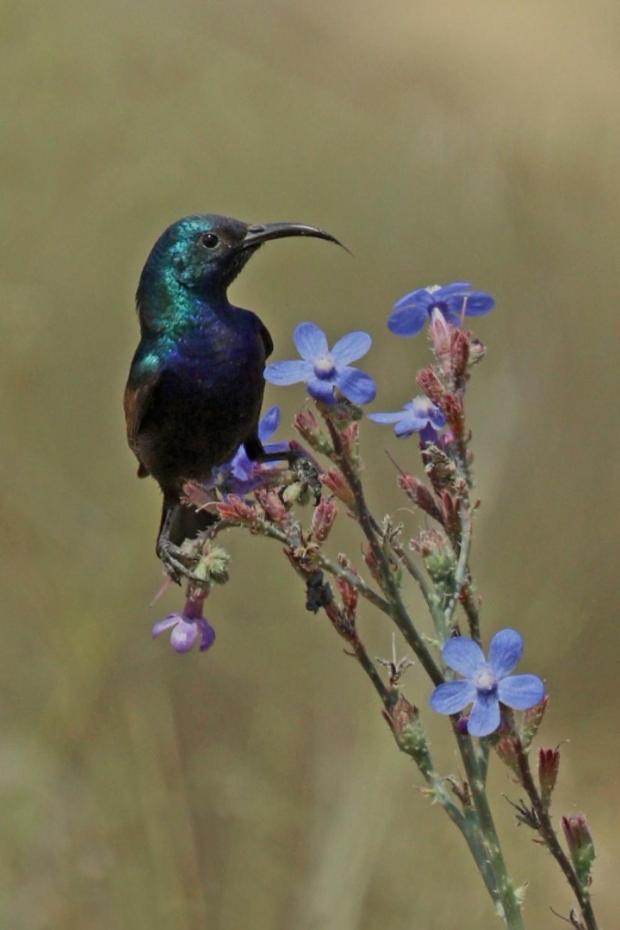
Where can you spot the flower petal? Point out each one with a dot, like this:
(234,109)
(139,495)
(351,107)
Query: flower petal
(421,297)
(386,417)
(408,425)
(207,634)
(485,715)
(456,287)
(269,423)
(321,389)
(184,636)
(479,303)
(162,625)
(505,652)
(521,691)
(287,372)
(408,321)
(356,385)
(351,347)
(240,466)
(436,417)
(463,655)
(452,696)
(310,341)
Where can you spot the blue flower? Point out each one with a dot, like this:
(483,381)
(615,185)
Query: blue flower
(420,415)
(486,684)
(453,301)
(241,467)
(324,370)
(240,474)
(187,628)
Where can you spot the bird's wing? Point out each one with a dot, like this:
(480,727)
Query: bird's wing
(137,400)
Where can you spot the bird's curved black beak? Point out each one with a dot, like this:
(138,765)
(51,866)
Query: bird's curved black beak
(257,234)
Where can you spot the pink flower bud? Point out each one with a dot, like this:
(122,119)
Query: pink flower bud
(273,506)
(323,519)
(441,335)
(419,494)
(309,427)
(459,353)
(548,768)
(580,845)
(338,485)
(234,508)
(428,381)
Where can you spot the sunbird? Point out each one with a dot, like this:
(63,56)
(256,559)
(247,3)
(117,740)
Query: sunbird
(195,385)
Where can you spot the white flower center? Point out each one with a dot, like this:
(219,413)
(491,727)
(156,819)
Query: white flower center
(324,366)
(485,680)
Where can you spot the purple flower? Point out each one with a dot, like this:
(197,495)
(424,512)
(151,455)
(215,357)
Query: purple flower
(241,467)
(453,301)
(241,475)
(419,415)
(323,370)
(187,628)
(486,684)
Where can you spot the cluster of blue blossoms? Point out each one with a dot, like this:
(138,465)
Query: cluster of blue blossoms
(328,375)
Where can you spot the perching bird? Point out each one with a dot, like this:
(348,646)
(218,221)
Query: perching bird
(196,384)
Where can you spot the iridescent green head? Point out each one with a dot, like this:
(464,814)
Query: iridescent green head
(204,253)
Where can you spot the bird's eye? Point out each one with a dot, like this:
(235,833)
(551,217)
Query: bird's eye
(209,240)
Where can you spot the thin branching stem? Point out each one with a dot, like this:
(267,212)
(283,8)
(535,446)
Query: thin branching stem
(547,832)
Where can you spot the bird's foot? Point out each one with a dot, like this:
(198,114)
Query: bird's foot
(177,562)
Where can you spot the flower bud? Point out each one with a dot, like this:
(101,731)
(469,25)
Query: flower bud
(440,332)
(273,506)
(428,381)
(418,493)
(532,720)
(309,428)
(477,351)
(580,845)
(459,353)
(234,508)
(404,721)
(452,406)
(548,768)
(348,593)
(507,751)
(338,485)
(323,518)
(350,441)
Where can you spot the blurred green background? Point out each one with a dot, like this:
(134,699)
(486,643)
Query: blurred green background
(257,786)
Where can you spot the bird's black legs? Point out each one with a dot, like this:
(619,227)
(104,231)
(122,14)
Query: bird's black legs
(169,553)
(178,524)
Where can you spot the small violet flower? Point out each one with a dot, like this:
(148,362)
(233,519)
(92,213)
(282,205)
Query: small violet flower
(241,467)
(486,684)
(419,415)
(187,628)
(241,475)
(453,301)
(323,370)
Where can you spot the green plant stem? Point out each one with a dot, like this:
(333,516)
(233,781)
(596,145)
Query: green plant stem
(547,832)
(390,587)
(506,896)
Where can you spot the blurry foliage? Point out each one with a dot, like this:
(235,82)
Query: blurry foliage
(474,141)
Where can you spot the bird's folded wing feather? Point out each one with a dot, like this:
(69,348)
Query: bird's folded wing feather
(137,401)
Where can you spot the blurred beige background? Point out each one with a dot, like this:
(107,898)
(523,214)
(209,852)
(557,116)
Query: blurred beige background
(257,786)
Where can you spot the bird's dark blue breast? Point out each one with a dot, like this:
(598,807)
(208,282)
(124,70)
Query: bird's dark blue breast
(206,399)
